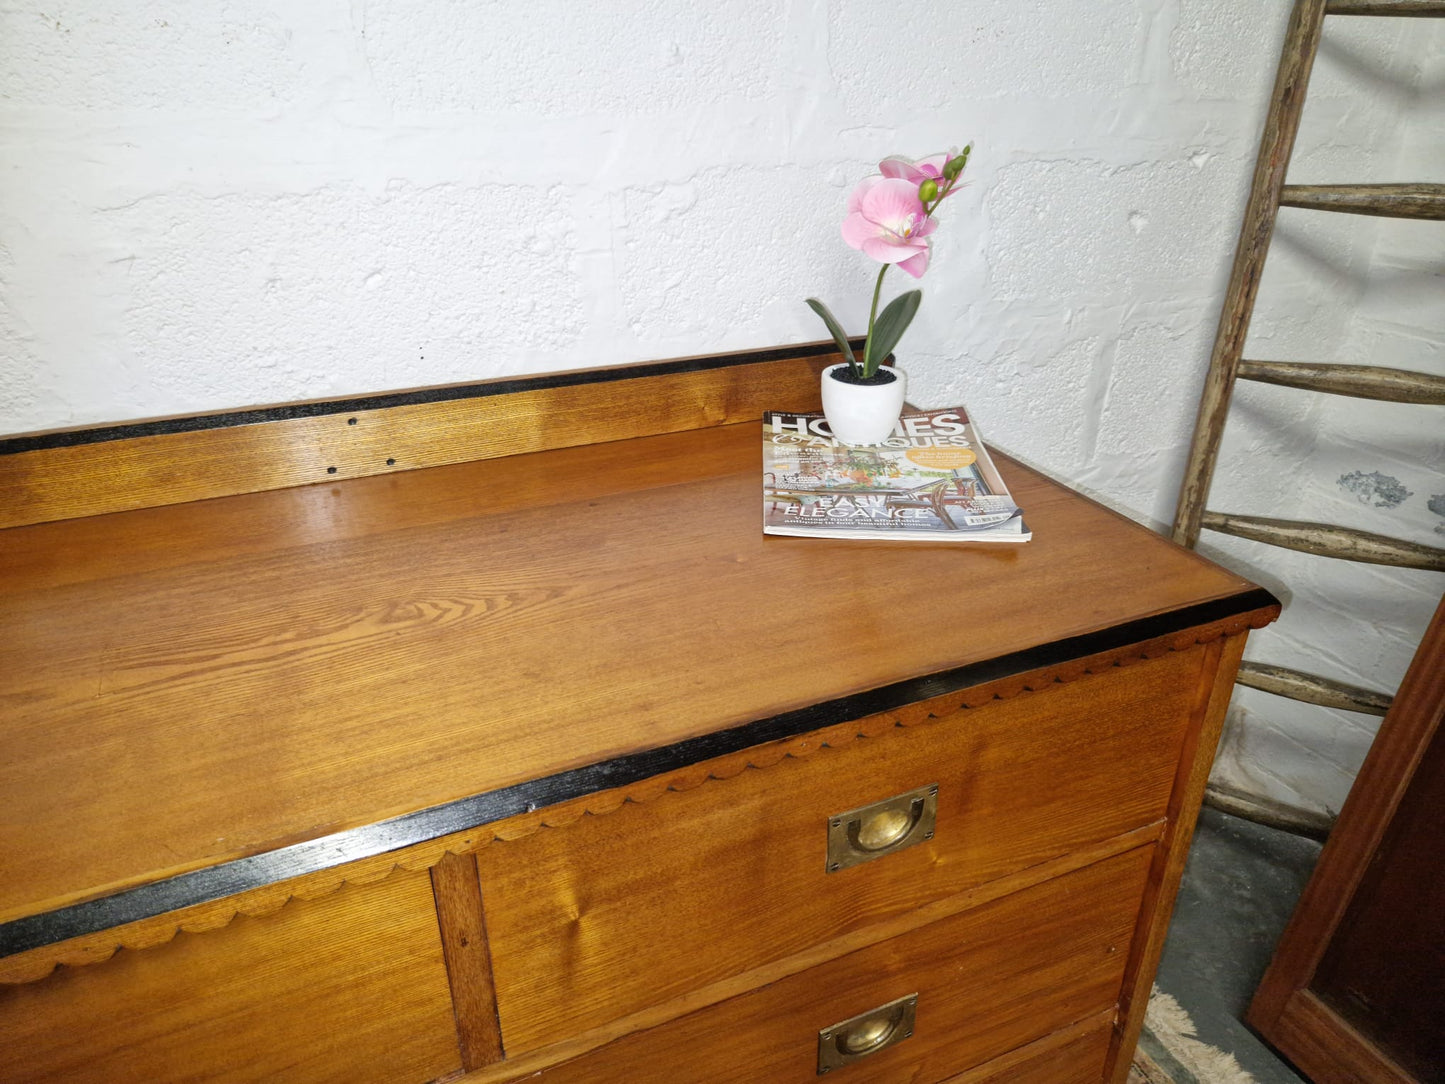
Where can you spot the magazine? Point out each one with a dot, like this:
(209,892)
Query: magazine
(931,480)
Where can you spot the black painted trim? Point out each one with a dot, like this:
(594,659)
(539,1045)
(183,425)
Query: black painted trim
(443,393)
(243,874)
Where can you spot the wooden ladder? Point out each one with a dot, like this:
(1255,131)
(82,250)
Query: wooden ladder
(1227,364)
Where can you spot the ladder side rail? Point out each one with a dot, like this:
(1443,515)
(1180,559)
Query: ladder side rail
(1302,38)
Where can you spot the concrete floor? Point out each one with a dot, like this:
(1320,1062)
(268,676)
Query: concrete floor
(1239,890)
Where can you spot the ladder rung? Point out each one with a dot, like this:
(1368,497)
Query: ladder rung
(1385,7)
(1327,540)
(1361,381)
(1297,685)
(1384,200)
(1268,812)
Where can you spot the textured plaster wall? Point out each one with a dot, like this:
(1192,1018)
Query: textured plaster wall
(218,204)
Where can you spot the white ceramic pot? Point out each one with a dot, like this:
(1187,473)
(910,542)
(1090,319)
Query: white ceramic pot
(861,414)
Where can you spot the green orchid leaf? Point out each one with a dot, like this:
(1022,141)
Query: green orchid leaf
(892,322)
(834,328)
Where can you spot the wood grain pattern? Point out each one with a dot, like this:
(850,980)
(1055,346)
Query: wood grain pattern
(519,1065)
(241,681)
(1384,970)
(1360,381)
(1424,201)
(1037,960)
(1286,1006)
(1417,8)
(1276,143)
(580,938)
(1330,1049)
(292,997)
(583,676)
(1328,540)
(96,948)
(1071,1055)
(1297,685)
(1211,703)
(86,477)
(815,955)
(469,964)
(1266,811)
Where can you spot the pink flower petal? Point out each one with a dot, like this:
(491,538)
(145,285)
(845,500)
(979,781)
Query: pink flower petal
(932,166)
(885,251)
(915,265)
(899,168)
(924,230)
(855,197)
(857,229)
(895,165)
(891,203)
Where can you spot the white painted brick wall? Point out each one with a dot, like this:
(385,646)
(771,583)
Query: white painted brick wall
(218,204)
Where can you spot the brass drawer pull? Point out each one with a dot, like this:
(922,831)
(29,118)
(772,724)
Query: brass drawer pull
(881,828)
(867,1033)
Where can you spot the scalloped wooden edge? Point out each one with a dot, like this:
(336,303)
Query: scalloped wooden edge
(35,964)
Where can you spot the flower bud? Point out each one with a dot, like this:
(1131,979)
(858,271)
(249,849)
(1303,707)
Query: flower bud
(954,166)
(928,190)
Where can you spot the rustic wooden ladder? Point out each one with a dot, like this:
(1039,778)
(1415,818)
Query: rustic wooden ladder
(1227,364)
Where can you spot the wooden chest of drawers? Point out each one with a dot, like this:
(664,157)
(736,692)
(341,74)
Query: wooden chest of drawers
(542,760)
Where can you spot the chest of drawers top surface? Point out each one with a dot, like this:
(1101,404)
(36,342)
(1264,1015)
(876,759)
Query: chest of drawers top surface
(193,685)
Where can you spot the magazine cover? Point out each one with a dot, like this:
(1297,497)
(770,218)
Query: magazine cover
(931,480)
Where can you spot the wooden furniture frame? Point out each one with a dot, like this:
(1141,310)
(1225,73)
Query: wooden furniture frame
(513,747)
(1295,1008)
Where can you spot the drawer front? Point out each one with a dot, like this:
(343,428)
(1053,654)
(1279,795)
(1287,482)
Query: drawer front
(987,981)
(348,987)
(1078,1060)
(617,912)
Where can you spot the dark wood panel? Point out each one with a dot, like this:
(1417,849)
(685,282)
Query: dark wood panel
(1384,970)
(469,962)
(1354,989)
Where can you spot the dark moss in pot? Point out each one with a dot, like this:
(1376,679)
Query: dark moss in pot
(846,375)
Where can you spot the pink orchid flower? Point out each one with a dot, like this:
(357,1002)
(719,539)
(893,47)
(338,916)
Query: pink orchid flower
(890,218)
(889,223)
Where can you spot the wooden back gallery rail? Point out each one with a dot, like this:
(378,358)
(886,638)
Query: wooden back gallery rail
(480,732)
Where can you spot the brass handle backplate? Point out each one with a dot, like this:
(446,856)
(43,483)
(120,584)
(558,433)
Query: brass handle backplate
(867,1033)
(881,828)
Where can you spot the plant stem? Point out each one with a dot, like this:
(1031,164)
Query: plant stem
(869,365)
(947,188)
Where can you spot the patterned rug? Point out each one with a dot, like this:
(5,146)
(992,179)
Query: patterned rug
(1171,1053)
(1145,1070)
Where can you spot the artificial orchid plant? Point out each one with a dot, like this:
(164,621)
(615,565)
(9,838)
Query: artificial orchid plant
(890,218)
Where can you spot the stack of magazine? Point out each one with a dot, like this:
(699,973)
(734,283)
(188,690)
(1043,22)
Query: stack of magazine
(931,480)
